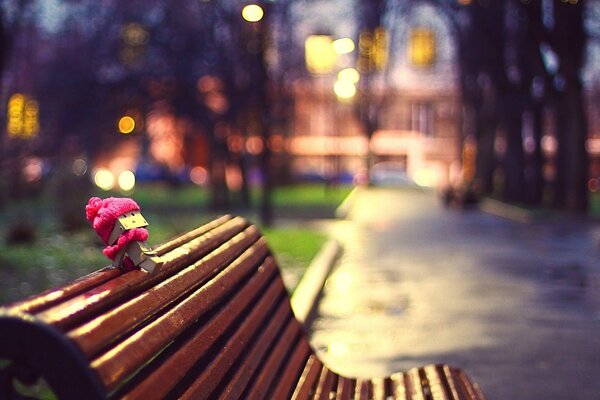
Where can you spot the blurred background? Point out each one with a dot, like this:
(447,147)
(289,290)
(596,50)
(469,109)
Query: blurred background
(276,109)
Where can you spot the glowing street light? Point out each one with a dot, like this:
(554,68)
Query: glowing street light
(252,13)
(104,179)
(343,46)
(349,74)
(126,180)
(319,53)
(126,124)
(344,90)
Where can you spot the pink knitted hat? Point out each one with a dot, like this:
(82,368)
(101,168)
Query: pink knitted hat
(104,213)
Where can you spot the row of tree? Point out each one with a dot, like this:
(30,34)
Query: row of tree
(519,66)
(197,60)
(520,70)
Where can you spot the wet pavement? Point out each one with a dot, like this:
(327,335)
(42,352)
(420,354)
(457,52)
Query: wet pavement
(515,305)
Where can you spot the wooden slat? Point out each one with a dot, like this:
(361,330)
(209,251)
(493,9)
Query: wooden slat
(288,377)
(49,298)
(439,390)
(110,327)
(345,389)
(399,387)
(327,385)
(256,354)
(305,388)
(364,389)
(208,380)
(163,378)
(261,383)
(379,390)
(55,296)
(413,380)
(134,351)
(74,311)
(465,385)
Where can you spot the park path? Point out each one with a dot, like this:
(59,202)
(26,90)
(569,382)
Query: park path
(516,305)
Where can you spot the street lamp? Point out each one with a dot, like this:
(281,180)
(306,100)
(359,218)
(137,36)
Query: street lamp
(252,13)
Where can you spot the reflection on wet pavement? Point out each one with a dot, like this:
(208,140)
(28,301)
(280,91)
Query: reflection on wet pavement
(508,302)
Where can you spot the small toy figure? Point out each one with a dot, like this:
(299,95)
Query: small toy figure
(121,226)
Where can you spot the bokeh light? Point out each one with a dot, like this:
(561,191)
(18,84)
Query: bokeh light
(79,167)
(425,177)
(104,179)
(343,46)
(126,180)
(32,169)
(252,13)
(126,124)
(349,74)
(344,90)
(319,54)
(199,176)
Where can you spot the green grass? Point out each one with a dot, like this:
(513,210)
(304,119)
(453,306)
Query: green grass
(310,195)
(595,204)
(294,247)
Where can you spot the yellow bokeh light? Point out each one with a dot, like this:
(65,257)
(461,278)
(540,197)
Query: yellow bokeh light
(252,13)
(425,177)
(22,117)
(126,124)
(343,46)
(344,90)
(349,75)
(104,179)
(126,180)
(320,57)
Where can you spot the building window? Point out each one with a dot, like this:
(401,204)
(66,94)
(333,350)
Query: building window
(422,118)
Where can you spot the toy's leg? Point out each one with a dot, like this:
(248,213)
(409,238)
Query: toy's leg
(144,257)
(118,260)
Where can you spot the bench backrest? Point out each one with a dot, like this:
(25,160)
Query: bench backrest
(215,322)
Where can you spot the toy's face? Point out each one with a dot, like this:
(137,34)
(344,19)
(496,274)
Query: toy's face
(130,220)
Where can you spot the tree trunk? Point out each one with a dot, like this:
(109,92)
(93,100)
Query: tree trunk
(513,159)
(535,176)
(576,157)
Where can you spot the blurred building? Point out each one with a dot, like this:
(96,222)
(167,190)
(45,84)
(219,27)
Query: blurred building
(414,96)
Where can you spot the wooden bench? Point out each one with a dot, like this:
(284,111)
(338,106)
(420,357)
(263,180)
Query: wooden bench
(215,322)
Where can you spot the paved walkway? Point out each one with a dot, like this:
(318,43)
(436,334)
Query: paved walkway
(515,305)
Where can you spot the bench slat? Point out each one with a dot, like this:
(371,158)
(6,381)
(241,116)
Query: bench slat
(204,385)
(76,310)
(379,389)
(345,388)
(109,327)
(326,385)
(464,385)
(49,298)
(261,383)
(364,389)
(253,359)
(305,387)
(287,377)
(163,378)
(133,352)
(439,391)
